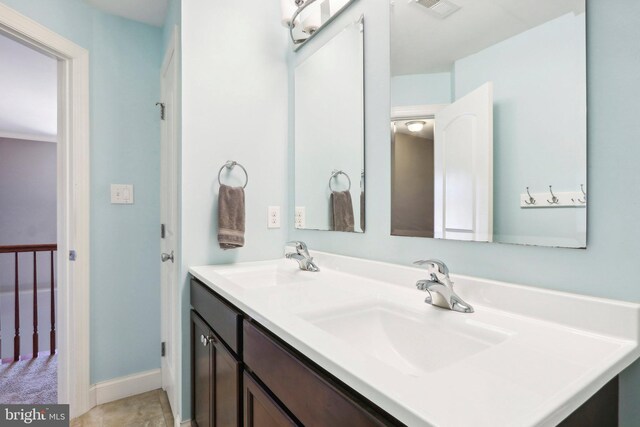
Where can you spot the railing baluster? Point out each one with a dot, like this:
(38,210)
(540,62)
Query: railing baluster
(35,249)
(52,334)
(0,334)
(16,338)
(35,305)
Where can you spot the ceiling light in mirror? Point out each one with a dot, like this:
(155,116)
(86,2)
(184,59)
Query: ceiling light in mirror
(415,126)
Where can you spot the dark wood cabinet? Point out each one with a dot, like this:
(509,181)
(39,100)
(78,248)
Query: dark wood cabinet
(260,409)
(215,378)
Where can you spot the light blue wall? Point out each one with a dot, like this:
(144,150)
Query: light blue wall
(125,272)
(539,94)
(609,266)
(125,132)
(421,89)
(234,107)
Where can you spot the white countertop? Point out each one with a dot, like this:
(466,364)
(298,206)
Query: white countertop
(536,357)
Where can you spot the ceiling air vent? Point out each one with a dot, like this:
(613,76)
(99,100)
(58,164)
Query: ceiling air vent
(439,8)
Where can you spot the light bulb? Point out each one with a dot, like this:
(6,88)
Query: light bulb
(288,8)
(415,126)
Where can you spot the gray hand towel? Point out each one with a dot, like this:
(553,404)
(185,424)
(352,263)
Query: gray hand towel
(231,217)
(342,211)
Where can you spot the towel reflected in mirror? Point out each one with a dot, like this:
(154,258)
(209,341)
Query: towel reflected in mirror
(342,211)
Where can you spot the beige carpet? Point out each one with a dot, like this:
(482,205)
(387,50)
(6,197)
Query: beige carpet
(32,381)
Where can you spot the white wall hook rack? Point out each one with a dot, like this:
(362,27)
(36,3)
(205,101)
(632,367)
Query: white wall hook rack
(553,199)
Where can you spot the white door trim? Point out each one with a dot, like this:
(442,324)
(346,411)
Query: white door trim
(415,111)
(173,52)
(73,203)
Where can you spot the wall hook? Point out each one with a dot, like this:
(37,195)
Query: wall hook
(554,200)
(584,195)
(531,200)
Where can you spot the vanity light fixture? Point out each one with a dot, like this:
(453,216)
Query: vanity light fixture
(416,126)
(308,17)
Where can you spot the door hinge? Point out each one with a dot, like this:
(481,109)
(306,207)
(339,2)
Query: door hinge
(163,349)
(162,110)
(163,231)
(72,255)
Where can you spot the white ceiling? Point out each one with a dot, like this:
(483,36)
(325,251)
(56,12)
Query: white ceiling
(422,43)
(152,12)
(28,84)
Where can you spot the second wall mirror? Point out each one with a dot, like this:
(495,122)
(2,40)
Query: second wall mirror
(488,121)
(329,135)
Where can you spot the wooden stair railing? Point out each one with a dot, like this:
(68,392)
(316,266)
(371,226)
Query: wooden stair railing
(17,249)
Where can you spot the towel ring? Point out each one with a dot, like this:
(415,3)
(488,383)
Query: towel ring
(230,164)
(335,174)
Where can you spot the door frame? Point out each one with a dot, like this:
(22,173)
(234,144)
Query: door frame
(415,111)
(173,52)
(73,192)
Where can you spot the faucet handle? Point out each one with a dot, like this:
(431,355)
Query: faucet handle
(301,247)
(434,264)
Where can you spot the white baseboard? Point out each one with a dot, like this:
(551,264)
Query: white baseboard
(182,424)
(130,385)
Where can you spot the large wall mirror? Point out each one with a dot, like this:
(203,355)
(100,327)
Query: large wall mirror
(329,135)
(488,121)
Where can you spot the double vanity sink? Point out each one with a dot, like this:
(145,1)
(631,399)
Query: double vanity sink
(524,357)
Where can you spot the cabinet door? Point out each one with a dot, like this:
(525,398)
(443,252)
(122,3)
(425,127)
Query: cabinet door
(202,371)
(306,393)
(259,409)
(226,385)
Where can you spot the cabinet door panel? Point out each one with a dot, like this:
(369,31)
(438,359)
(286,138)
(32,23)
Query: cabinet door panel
(307,395)
(218,313)
(202,371)
(226,381)
(259,409)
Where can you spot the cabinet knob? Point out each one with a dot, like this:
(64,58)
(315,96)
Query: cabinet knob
(208,340)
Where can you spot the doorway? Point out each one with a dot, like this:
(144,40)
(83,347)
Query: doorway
(28,235)
(71,261)
(412,177)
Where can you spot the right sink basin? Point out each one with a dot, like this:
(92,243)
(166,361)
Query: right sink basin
(414,343)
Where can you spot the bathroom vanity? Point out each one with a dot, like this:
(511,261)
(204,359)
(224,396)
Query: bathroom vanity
(355,345)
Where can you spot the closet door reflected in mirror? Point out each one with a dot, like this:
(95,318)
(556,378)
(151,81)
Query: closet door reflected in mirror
(488,121)
(329,135)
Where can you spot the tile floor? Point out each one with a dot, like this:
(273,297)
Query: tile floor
(149,409)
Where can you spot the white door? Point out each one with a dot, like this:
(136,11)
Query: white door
(463,165)
(169,228)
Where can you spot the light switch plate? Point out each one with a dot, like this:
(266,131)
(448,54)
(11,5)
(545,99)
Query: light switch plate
(121,194)
(273,217)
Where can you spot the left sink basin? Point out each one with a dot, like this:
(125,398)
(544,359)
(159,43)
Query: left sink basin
(264,276)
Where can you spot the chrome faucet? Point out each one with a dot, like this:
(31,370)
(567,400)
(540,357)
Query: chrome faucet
(305,261)
(440,291)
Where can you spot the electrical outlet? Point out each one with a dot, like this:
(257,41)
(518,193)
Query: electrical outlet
(273,217)
(300,217)
(121,194)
